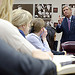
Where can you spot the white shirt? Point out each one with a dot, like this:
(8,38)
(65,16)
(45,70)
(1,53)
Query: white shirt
(36,41)
(12,36)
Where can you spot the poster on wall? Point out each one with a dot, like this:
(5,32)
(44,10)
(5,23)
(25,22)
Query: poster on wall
(55,10)
(44,11)
(28,7)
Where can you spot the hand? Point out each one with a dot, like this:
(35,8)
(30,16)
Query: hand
(41,55)
(60,20)
(44,34)
(50,54)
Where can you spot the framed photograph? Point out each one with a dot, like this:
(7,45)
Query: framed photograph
(43,10)
(28,7)
(55,10)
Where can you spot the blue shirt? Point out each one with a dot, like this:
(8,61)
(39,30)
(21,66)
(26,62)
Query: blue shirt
(22,33)
(36,41)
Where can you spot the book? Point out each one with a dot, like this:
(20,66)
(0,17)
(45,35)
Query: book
(65,64)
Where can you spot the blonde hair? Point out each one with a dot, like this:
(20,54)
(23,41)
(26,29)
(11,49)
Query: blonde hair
(6,10)
(21,17)
(37,24)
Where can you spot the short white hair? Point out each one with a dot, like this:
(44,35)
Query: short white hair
(21,17)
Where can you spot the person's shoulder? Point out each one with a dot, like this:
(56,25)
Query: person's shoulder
(73,16)
(1,20)
(31,37)
(50,29)
(5,23)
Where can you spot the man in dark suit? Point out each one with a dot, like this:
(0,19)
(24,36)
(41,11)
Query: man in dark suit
(67,26)
(15,63)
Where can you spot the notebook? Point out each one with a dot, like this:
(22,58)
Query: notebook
(65,64)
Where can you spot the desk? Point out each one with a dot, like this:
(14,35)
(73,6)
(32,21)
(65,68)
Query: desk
(65,64)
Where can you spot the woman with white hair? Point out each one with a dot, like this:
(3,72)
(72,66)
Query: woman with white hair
(21,19)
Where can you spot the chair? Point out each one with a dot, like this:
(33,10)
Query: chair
(69,47)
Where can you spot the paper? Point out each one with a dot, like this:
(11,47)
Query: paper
(67,60)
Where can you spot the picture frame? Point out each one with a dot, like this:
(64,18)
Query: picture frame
(55,10)
(28,7)
(43,10)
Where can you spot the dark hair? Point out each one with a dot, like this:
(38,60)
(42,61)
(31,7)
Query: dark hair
(32,29)
(50,36)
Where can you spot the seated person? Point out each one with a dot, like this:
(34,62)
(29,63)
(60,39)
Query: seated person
(10,34)
(16,63)
(51,39)
(21,19)
(38,34)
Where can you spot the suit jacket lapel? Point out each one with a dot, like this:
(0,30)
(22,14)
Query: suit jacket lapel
(71,25)
(66,24)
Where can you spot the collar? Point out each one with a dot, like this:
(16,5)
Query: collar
(22,33)
(69,18)
(38,37)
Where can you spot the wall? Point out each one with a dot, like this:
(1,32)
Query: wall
(55,3)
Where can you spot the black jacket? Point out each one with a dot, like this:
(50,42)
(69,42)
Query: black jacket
(15,63)
(52,44)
